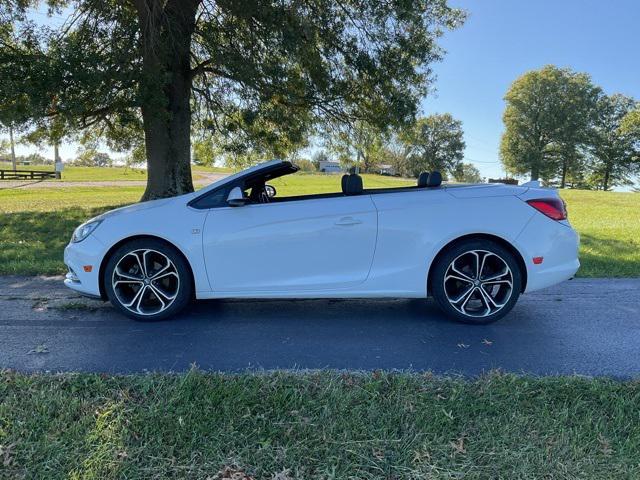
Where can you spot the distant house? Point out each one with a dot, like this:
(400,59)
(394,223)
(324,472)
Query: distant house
(327,166)
(386,170)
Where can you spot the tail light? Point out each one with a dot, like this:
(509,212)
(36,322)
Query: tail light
(551,207)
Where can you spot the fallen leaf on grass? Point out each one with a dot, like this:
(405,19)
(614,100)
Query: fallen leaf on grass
(40,349)
(378,453)
(283,475)
(605,446)
(458,445)
(231,473)
(6,454)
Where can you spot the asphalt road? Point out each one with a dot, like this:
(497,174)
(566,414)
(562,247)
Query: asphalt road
(589,327)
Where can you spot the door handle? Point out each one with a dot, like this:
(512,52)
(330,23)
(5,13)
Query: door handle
(346,221)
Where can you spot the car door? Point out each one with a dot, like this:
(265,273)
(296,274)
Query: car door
(287,246)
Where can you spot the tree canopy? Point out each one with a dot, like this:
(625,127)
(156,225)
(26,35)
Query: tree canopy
(260,73)
(548,114)
(434,142)
(614,150)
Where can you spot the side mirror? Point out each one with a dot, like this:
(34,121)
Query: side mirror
(236,198)
(270,190)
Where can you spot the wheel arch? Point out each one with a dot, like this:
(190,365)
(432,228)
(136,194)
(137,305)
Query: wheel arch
(115,246)
(481,236)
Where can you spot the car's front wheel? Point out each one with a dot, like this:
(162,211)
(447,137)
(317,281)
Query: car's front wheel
(148,279)
(476,281)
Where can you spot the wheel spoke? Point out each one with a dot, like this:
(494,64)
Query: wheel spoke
(159,272)
(164,275)
(128,282)
(459,278)
(458,272)
(128,276)
(489,301)
(144,289)
(477,256)
(486,300)
(136,297)
(466,300)
(463,296)
(159,293)
(143,270)
(498,282)
(484,259)
(499,275)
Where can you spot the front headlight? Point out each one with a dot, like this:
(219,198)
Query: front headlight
(84,230)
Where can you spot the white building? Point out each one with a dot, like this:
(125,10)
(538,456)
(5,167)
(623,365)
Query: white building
(329,167)
(386,170)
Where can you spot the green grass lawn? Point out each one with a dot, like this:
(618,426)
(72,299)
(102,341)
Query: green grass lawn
(317,426)
(36,224)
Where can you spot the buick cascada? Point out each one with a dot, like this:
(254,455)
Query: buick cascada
(473,248)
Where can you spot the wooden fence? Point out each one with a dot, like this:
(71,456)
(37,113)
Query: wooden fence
(28,174)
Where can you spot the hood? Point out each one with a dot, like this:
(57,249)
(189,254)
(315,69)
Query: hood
(136,207)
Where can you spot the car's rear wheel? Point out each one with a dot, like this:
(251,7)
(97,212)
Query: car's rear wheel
(476,281)
(148,279)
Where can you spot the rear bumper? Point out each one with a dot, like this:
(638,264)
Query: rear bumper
(557,243)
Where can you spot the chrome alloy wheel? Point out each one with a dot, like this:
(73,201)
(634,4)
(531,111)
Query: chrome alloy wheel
(478,283)
(145,282)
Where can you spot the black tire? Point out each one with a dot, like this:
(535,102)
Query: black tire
(462,253)
(158,301)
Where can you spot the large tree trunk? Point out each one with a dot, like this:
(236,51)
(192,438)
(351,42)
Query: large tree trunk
(535,172)
(605,182)
(563,179)
(165,94)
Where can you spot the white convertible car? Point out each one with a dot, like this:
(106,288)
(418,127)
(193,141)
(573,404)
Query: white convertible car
(473,248)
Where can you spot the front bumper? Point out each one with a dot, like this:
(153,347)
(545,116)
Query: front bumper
(77,256)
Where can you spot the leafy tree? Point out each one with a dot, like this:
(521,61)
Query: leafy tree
(305,165)
(467,173)
(269,69)
(359,144)
(93,158)
(548,114)
(434,143)
(205,151)
(630,125)
(615,155)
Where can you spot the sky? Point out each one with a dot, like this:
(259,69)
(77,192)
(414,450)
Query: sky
(501,40)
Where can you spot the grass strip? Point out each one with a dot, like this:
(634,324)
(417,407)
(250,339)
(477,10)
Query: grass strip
(317,425)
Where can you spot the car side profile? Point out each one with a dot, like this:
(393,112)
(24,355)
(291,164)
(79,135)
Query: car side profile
(473,248)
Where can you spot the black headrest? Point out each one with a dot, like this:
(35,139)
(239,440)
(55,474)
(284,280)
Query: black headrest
(344,180)
(423,179)
(435,179)
(352,184)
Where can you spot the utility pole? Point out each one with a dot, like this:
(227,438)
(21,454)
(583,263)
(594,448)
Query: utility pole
(13,149)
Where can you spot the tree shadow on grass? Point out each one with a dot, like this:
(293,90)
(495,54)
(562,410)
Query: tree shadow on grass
(32,243)
(607,257)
